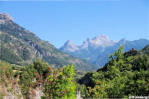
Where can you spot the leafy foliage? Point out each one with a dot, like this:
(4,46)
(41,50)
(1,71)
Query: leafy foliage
(6,71)
(36,72)
(123,76)
(60,84)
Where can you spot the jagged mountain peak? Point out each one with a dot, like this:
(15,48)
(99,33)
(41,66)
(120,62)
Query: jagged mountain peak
(69,46)
(20,46)
(98,49)
(98,41)
(4,17)
(101,37)
(69,42)
(101,40)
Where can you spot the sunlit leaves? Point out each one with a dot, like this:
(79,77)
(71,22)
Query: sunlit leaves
(123,76)
(60,84)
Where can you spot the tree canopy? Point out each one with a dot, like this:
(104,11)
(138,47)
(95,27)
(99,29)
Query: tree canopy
(126,74)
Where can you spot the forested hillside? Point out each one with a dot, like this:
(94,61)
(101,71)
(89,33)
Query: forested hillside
(126,74)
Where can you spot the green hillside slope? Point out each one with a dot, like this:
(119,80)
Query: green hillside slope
(125,75)
(20,46)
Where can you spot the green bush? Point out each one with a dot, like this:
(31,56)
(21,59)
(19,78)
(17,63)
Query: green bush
(60,84)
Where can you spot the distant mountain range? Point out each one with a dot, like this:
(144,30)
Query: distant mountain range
(22,47)
(98,49)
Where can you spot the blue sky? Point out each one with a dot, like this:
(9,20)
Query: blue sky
(61,20)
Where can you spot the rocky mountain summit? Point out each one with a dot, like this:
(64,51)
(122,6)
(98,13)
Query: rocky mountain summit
(22,47)
(98,41)
(69,46)
(5,18)
(101,40)
(98,49)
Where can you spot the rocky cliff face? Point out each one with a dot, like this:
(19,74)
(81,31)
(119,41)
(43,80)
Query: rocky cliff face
(4,18)
(101,41)
(20,46)
(98,49)
(9,93)
(69,46)
(98,41)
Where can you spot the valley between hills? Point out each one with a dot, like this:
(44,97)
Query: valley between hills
(31,68)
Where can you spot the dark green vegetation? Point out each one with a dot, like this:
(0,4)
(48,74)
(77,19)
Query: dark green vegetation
(55,83)
(126,74)
(20,46)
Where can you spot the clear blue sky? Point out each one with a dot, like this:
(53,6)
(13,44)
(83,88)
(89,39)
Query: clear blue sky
(61,20)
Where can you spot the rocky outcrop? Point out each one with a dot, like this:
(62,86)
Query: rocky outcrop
(22,47)
(5,18)
(98,49)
